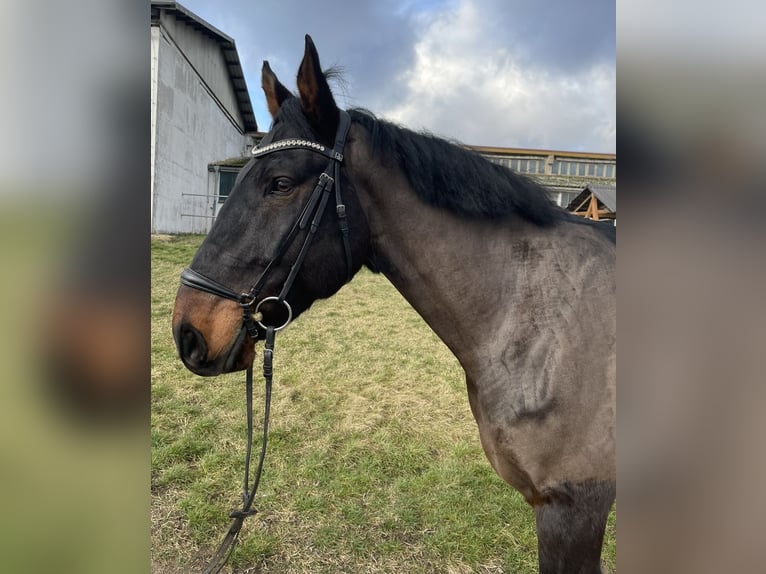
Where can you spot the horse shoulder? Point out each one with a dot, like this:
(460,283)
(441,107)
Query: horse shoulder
(548,369)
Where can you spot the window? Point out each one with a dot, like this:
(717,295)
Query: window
(610,171)
(600,170)
(555,168)
(581,169)
(226,179)
(591,169)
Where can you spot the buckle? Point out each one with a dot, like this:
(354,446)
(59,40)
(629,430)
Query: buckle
(246,299)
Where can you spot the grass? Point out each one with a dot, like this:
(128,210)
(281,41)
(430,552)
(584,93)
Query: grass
(374,462)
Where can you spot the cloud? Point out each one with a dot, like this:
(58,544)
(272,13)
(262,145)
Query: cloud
(468,84)
(370,41)
(486,72)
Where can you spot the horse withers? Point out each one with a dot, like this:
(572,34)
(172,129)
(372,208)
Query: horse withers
(522,292)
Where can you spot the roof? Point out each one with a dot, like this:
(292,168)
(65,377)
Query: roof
(606,194)
(238,162)
(527,151)
(230,55)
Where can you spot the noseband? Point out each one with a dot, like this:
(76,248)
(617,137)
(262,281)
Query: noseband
(311,217)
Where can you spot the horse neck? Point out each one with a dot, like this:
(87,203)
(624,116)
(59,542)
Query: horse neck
(449,268)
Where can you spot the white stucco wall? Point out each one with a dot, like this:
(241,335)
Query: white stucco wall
(190,130)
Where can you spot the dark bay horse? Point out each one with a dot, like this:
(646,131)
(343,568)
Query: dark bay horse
(520,291)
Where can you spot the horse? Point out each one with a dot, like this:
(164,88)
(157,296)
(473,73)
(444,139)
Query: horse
(521,292)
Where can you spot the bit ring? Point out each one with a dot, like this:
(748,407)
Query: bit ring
(278,300)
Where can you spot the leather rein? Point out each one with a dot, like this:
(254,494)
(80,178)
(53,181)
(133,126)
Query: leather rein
(310,216)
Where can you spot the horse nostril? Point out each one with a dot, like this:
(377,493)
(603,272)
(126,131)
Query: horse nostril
(191,344)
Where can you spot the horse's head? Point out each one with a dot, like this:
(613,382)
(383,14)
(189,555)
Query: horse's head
(262,228)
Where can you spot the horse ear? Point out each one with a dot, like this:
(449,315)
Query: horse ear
(275,92)
(316,98)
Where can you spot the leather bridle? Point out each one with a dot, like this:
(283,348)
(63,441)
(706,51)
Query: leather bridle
(311,217)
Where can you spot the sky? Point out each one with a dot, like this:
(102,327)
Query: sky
(509,73)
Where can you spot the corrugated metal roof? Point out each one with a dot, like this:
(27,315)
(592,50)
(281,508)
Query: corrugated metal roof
(230,55)
(606,193)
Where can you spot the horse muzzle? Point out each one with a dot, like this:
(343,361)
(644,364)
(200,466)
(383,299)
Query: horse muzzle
(209,334)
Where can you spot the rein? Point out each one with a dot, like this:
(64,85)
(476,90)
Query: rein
(226,547)
(252,317)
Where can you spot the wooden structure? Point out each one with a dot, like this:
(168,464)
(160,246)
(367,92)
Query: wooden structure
(595,202)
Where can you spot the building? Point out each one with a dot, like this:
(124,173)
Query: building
(565,174)
(201,112)
(597,202)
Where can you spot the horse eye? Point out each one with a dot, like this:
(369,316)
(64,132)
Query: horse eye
(282,186)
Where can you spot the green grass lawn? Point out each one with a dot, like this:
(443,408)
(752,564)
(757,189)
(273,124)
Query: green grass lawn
(374,461)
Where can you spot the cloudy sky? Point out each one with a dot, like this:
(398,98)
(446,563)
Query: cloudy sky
(511,73)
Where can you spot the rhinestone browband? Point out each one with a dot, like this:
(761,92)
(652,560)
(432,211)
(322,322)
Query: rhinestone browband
(287,144)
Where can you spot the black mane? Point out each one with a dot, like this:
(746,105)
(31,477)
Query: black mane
(451,177)
(445,174)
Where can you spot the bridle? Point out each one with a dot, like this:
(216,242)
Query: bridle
(310,216)
(314,207)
